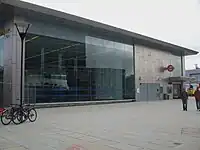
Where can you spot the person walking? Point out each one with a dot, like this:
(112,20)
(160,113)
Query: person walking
(184,98)
(197,98)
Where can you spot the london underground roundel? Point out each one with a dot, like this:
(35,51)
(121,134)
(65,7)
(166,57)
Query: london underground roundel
(170,68)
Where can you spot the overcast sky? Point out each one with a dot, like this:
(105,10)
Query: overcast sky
(175,21)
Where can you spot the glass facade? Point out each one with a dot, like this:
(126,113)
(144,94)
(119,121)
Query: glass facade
(113,65)
(59,70)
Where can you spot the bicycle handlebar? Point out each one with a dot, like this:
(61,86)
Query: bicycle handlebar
(14,105)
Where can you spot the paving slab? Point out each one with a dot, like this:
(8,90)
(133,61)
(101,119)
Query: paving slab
(136,126)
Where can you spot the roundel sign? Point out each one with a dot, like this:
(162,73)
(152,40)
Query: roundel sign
(170,68)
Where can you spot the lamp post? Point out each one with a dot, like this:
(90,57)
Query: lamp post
(22,31)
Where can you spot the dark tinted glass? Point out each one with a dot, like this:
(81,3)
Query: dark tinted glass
(63,70)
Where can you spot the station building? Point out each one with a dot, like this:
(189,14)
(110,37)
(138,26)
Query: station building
(69,58)
(195,74)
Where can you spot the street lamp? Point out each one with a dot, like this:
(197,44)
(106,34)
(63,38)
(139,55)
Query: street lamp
(22,31)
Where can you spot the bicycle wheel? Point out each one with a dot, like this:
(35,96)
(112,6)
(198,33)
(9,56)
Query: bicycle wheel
(16,117)
(32,115)
(6,117)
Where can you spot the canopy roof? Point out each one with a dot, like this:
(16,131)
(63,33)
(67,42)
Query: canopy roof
(10,7)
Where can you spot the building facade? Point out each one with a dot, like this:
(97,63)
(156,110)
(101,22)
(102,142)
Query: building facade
(152,78)
(195,73)
(68,58)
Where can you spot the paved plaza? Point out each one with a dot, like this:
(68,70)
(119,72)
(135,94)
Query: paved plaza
(131,126)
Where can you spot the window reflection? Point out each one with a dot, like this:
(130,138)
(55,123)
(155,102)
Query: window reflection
(62,70)
(116,57)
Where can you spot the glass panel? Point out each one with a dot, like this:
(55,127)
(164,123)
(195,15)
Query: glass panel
(116,81)
(52,67)
(62,70)
(128,64)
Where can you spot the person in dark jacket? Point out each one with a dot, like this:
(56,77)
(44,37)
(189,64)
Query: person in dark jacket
(197,98)
(184,98)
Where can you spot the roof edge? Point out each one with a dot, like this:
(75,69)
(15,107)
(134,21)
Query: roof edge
(81,20)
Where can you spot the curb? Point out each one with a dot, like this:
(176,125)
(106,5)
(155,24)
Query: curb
(71,104)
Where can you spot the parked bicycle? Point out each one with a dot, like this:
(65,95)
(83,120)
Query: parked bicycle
(9,114)
(18,114)
(25,112)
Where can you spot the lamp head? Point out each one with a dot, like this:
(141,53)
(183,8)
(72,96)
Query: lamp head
(22,26)
(22,29)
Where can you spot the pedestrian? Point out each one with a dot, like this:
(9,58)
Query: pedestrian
(197,98)
(184,98)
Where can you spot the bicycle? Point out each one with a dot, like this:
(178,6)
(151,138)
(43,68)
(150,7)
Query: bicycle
(9,114)
(25,112)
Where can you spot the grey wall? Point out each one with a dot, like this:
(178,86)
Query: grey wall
(1,71)
(148,63)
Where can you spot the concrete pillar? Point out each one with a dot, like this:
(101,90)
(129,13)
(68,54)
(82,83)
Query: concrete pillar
(1,69)
(12,65)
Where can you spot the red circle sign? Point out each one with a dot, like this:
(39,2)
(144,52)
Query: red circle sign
(170,68)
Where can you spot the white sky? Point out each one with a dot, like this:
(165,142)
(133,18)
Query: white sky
(174,21)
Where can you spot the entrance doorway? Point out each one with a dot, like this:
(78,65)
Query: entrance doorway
(176,91)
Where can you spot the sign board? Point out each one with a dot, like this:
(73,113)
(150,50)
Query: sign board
(170,68)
